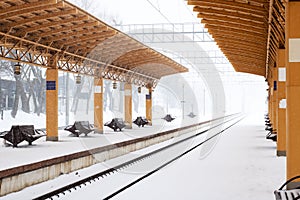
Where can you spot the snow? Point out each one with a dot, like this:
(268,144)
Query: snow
(42,149)
(241,165)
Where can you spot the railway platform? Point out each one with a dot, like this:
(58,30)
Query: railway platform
(240,164)
(51,159)
(42,150)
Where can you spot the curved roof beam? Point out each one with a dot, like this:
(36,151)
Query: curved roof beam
(42,31)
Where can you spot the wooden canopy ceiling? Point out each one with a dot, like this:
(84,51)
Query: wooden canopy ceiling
(42,31)
(249,32)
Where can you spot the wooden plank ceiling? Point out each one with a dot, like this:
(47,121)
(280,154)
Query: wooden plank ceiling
(62,27)
(249,32)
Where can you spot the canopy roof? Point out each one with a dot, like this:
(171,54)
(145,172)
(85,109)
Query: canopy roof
(249,32)
(56,33)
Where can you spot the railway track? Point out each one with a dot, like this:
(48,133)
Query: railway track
(97,177)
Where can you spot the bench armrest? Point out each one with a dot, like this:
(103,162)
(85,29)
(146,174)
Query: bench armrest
(67,127)
(92,126)
(2,134)
(40,132)
(288,181)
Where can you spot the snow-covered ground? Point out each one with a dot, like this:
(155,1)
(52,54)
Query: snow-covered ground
(42,149)
(242,165)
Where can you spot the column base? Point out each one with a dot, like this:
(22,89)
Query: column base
(52,138)
(293,185)
(98,131)
(281,153)
(128,126)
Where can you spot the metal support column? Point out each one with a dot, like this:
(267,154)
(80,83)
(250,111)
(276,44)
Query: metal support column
(269,102)
(281,104)
(149,105)
(52,102)
(128,105)
(98,105)
(274,98)
(270,109)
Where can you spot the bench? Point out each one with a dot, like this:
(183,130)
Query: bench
(267,119)
(141,121)
(191,115)
(268,125)
(80,127)
(19,133)
(115,124)
(272,136)
(168,118)
(291,194)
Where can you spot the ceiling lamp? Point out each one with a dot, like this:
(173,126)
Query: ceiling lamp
(78,79)
(17,69)
(114,85)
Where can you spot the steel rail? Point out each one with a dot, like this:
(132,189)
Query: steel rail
(97,176)
(169,162)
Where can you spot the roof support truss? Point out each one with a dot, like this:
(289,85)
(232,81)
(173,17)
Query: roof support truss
(30,53)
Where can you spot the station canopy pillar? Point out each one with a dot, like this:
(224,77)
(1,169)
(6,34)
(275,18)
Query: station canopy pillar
(128,105)
(274,98)
(149,105)
(281,104)
(293,91)
(270,99)
(52,102)
(269,103)
(98,105)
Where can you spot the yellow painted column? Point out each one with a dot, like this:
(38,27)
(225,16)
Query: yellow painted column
(281,104)
(98,105)
(293,90)
(149,105)
(269,103)
(271,98)
(128,105)
(52,102)
(274,98)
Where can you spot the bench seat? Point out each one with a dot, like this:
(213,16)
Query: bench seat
(80,127)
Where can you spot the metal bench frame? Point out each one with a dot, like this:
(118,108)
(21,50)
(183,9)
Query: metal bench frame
(141,121)
(168,118)
(20,133)
(115,124)
(292,194)
(80,127)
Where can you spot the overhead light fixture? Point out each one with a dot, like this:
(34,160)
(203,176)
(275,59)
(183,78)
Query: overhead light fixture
(78,79)
(17,69)
(114,85)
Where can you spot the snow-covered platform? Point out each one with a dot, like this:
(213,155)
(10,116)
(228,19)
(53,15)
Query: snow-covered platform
(242,165)
(42,149)
(32,164)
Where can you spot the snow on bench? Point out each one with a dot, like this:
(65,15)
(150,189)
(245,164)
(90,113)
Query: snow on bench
(19,133)
(80,127)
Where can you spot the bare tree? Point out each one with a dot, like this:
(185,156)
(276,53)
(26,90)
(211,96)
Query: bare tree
(29,87)
(91,7)
(86,5)
(36,83)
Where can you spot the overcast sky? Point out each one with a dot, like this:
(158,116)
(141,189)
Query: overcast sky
(142,11)
(153,12)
